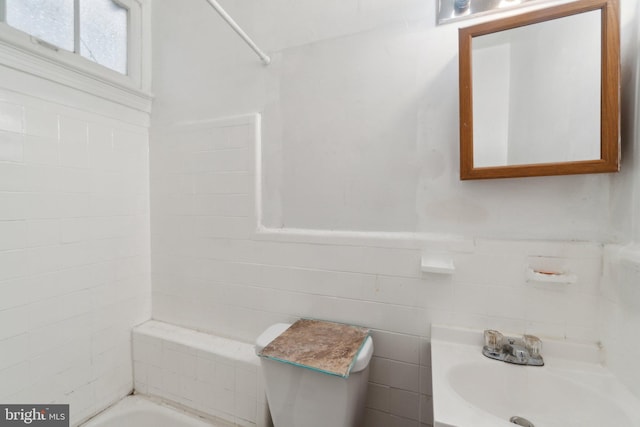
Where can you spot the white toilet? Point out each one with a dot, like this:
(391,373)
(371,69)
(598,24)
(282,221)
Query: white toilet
(300,397)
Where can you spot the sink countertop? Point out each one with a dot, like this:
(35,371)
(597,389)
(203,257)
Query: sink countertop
(471,390)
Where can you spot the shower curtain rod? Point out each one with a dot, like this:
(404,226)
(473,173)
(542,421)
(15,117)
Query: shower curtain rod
(263,56)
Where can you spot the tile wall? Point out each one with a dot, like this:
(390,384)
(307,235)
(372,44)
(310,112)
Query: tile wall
(620,313)
(74,251)
(214,271)
(214,376)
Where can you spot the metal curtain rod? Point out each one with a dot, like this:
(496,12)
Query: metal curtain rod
(263,56)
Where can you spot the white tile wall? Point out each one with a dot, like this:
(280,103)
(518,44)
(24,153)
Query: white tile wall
(214,376)
(212,272)
(74,252)
(620,315)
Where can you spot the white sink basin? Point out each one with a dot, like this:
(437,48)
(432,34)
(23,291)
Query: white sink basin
(470,390)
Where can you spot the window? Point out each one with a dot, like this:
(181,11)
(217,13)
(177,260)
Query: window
(100,47)
(94,29)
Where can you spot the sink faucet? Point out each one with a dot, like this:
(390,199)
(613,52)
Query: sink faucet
(519,351)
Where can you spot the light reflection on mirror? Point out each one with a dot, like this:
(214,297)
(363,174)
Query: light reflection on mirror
(536,93)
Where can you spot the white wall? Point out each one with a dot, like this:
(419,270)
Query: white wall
(620,306)
(620,313)
(360,113)
(74,245)
(359,134)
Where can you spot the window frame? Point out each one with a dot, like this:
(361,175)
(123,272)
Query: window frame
(24,52)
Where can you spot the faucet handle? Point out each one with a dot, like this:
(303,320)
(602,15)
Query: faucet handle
(533,345)
(493,340)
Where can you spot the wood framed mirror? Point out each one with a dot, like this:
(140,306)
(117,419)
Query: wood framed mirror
(540,93)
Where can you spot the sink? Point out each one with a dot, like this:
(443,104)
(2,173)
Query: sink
(572,390)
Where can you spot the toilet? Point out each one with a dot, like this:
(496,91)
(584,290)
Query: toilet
(301,397)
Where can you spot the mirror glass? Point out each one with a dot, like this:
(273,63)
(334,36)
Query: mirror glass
(527,79)
(539,93)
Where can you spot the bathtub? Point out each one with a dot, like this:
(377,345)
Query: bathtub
(137,411)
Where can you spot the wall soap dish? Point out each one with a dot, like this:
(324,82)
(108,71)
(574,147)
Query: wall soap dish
(535,275)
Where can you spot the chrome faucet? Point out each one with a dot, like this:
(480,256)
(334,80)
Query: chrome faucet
(519,351)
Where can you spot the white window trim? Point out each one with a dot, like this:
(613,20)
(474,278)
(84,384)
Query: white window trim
(23,52)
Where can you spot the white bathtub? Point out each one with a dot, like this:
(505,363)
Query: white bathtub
(137,411)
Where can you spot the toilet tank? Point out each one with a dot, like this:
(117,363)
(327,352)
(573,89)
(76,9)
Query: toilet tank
(301,397)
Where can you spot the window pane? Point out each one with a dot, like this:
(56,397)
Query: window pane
(49,20)
(103,33)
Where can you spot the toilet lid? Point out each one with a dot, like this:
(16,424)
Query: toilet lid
(328,347)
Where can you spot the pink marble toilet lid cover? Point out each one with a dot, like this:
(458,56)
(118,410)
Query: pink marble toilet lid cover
(319,345)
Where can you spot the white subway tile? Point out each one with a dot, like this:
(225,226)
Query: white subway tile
(404,404)
(224,226)
(60,308)
(11,117)
(41,205)
(13,235)
(42,178)
(189,389)
(378,397)
(154,377)
(11,147)
(245,407)
(74,180)
(426,409)
(425,380)
(13,351)
(73,130)
(140,377)
(403,348)
(75,205)
(221,183)
(40,150)
(52,335)
(13,264)
(43,232)
(505,302)
(74,230)
(44,259)
(247,382)
(39,122)
(229,160)
(222,204)
(13,322)
(546,306)
(205,370)
(225,376)
(16,292)
(74,153)
(13,206)
(400,375)
(12,380)
(13,177)
(375,418)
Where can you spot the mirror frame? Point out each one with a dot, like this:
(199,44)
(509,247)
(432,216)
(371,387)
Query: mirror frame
(609,99)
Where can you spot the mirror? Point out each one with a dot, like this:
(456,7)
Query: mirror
(539,93)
